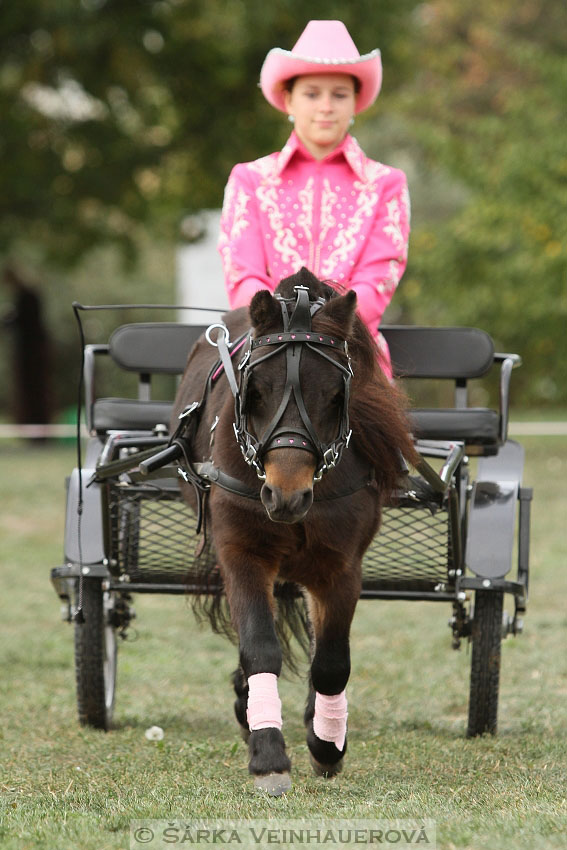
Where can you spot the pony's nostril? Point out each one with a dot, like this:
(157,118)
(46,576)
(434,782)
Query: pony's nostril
(270,496)
(305,500)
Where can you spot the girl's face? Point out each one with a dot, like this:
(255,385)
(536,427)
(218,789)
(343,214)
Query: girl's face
(322,105)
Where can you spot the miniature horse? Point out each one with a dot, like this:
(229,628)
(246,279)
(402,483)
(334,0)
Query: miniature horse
(296,497)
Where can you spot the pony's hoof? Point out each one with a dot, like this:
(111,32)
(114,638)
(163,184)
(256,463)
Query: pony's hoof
(326,770)
(274,784)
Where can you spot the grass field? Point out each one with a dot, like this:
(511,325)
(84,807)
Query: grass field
(68,788)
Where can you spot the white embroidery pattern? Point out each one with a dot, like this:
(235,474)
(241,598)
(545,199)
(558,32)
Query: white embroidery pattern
(267,168)
(240,221)
(388,285)
(374,171)
(305,217)
(328,200)
(284,240)
(367,170)
(406,203)
(345,241)
(229,194)
(393,228)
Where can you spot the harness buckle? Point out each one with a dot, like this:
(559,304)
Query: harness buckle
(330,457)
(189,410)
(250,455)
(244,360)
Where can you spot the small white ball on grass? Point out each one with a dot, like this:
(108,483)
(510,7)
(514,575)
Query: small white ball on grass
(154,733)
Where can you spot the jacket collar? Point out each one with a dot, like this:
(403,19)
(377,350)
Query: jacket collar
(349,149)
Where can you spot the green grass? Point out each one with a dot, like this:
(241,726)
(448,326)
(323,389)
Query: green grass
(67,788)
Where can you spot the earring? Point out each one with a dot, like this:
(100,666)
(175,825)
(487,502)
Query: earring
(351,122)
(291,119)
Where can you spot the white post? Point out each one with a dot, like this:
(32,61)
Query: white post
(200,280)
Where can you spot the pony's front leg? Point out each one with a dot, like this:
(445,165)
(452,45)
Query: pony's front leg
(326,711)
(251,605)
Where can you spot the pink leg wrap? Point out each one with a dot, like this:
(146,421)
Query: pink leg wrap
(329,721)
(264,705)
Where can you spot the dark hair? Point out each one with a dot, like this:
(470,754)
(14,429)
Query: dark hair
(289,84)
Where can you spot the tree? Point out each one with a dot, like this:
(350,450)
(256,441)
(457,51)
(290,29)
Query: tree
(117,114)
(487,108)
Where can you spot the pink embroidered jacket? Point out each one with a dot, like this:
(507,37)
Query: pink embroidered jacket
(346,218)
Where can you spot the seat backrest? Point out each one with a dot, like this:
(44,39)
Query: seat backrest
(153,347)
(452,353)
(146,348)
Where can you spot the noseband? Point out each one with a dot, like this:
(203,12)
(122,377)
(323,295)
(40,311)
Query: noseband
(297,334)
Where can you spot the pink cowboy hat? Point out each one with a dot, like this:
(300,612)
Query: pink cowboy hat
(324,47)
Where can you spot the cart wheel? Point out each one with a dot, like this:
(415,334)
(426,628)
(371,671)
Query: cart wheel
(485,665)
(95,657)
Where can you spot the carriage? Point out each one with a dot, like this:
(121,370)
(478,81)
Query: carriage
(449,533)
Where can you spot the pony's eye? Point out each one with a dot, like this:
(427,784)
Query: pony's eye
(254,394)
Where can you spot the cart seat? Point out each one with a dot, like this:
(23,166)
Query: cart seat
(145,348)
(474,425)
(124,414)
(459,355)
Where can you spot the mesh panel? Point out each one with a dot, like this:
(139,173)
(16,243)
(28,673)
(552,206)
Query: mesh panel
(153,540)
(153,536)
(410,551)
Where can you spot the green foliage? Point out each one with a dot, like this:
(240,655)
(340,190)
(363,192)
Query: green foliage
(119,118)
(487,107)
(121,113)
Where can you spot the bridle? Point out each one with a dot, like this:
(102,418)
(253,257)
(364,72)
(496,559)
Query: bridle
(297,335)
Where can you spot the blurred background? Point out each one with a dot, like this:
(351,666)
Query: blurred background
(120,123)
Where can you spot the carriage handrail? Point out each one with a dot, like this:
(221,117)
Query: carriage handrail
(509,363)
(453,454)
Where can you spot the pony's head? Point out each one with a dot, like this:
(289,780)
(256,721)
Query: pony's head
(295,390)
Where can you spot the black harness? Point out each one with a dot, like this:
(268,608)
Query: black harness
(297,334)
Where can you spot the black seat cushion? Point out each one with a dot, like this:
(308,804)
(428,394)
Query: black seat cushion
(472,425)
(117,414)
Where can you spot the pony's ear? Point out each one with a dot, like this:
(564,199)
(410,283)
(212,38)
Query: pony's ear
(341,310)
(264,309)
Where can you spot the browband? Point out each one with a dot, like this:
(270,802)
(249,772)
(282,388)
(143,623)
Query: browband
(300,336)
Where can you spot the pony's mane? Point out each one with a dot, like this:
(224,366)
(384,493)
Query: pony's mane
(378,409)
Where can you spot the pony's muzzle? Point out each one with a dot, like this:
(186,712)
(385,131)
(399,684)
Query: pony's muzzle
(287,493)
(283,506)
